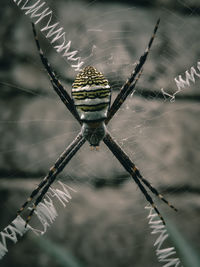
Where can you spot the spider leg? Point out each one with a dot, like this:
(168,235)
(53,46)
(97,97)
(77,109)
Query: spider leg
(56,168)
(59,89)
(134,172)
(73,111)
(80,140)
(129,85)
(153,189)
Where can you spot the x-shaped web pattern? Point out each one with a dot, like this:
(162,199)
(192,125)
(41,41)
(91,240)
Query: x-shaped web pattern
(76,144)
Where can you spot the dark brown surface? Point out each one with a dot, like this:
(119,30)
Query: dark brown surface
(108,226)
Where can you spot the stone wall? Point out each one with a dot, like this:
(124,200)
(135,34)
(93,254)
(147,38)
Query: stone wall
(105,223)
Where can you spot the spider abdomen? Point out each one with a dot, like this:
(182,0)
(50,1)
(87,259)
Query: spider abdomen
(91,93)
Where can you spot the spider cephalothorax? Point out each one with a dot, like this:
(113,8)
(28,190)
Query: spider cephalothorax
(91,93)
(90,106)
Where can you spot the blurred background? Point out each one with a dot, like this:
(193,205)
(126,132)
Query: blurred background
(105,223)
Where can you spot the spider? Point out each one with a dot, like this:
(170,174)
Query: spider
(90,106)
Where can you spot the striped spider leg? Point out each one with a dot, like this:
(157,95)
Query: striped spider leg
(125,91)
(57,86)
(56,169)
(129,85)
(68,101)
(135,173)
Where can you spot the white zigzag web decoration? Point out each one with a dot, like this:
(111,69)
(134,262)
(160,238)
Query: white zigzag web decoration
(41,14)
(46,214)
(181,83)
(162,254)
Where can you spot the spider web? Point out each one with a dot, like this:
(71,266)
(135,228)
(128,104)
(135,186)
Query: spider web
(162,138)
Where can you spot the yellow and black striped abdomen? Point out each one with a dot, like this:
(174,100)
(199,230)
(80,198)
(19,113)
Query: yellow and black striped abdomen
(91,94)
